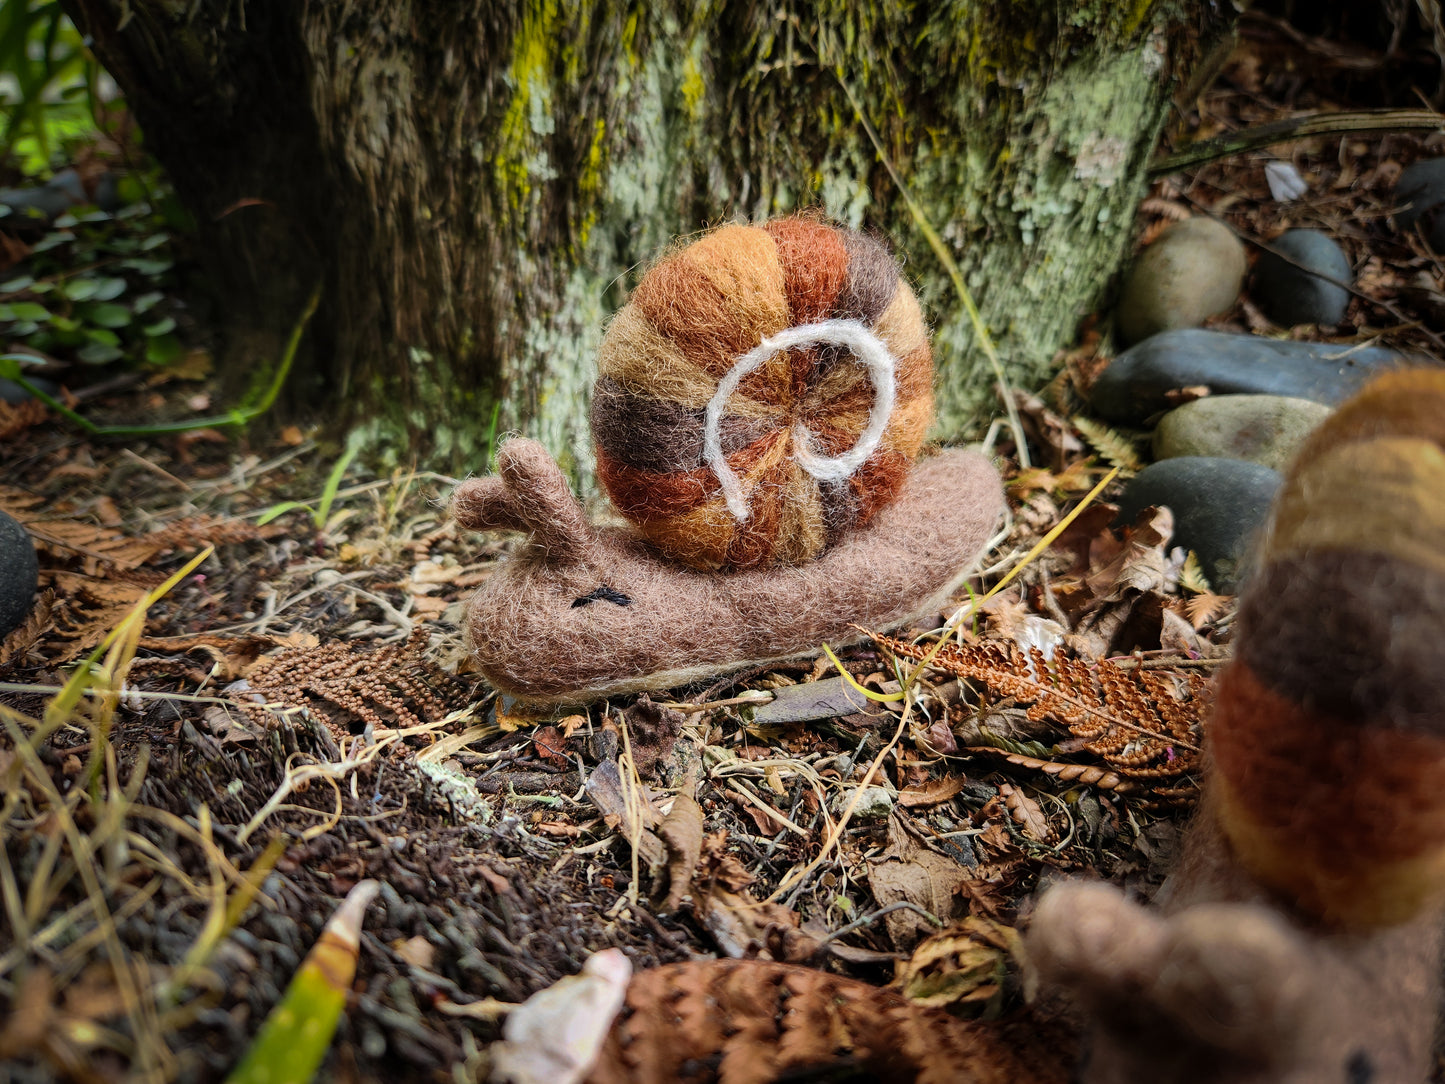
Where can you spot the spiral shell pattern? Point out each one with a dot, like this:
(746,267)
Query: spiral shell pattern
(814,356)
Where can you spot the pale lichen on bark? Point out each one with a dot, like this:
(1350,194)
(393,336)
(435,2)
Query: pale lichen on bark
(479,182)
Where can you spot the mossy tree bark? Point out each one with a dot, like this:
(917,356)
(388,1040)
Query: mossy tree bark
(474,184)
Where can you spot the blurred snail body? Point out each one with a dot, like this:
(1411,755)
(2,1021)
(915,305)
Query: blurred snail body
(1300,939)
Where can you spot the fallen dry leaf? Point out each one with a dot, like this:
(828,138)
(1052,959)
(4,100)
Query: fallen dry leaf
(681,834)
(554,1037)
(1026,813)
(934,792)
(910,871)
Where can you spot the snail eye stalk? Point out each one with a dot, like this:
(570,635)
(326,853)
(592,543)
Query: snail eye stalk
(602,594)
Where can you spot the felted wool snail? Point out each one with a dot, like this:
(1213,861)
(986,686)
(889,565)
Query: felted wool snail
(762,393)
(1339,650)
(761,401)
(1300,939)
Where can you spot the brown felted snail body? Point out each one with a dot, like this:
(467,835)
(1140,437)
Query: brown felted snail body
(760,404)
(582,612)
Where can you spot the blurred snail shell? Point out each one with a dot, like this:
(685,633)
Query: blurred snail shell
(764,392)
(1335,695)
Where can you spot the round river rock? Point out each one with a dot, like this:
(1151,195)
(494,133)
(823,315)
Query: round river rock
(1192,271)
(1145,380)
(1421,192)
(19,573)
(1265,429)
(1295,293)
(1219,505)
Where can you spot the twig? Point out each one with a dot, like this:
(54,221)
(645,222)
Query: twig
(868,920)
(1284,131)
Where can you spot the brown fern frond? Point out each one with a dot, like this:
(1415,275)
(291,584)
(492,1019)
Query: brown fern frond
(1144,724)
(396,678)
(755,1022)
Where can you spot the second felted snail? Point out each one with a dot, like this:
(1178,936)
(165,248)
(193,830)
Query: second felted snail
(1300,939)
(760,403)
(762,393)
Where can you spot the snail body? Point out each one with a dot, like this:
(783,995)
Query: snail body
(760,403)
(581,612)
(1300,938)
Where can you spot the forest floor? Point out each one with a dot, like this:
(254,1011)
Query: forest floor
(308,683)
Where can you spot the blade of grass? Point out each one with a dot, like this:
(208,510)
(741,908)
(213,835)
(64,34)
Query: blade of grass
(955,276)
(297,1033)
(10,369)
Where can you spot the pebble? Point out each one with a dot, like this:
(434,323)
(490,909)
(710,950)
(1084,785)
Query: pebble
(1142,381)
(1264,429)
(874,805)
(1192,271)
(1421,190)
(1219,506)
(19,573)
(14,394)
(1291,295)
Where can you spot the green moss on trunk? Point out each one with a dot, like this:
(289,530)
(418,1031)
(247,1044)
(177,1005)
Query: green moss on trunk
(477,183)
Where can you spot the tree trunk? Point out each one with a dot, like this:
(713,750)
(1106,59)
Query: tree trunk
(474,184)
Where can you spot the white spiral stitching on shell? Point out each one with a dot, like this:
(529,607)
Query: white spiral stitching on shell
(867,347)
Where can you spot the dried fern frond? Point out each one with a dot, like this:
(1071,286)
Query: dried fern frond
(1192,577)
(396,678)
(1204,608)
(1119,450)
(1145,724)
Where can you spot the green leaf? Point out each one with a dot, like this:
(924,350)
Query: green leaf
(102,335)
(64,323)
(163,349)
(146,266)
(154,241)
(164,326)
(53,240)
(276,511)
(108,289)
(80,289)
(108,314)
(146,301)
(29,310)
(65,221)
(14,286)
(23,329)
(297,1033)
(95,353)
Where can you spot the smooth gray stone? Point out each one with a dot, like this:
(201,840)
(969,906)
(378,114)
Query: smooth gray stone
(1138,383)
(50,200)
(13,393)
(1193,270)
(1420,191)
(1264,429)
(19,573)
(1219,506)
(823,699)
(1291,295)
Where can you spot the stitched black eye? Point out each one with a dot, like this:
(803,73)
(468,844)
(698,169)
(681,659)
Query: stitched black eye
(1359,1069)
(602,594)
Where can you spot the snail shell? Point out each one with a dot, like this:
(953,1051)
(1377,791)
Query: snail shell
(765,391)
